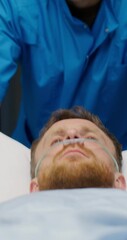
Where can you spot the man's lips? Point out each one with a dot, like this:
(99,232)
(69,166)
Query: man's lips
(74,152)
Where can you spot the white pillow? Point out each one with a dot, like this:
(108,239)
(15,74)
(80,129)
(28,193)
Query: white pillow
(14,168)
(124,164)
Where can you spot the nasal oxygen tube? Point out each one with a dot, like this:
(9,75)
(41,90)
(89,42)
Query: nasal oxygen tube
(73,141)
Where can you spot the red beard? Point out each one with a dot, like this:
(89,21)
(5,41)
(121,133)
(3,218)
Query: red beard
(74,172)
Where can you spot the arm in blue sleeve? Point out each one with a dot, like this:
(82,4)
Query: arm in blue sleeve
(9,44)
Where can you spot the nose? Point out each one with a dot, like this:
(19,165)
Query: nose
(72,133)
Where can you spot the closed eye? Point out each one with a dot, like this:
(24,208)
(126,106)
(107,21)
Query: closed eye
(91,137)
(55,141)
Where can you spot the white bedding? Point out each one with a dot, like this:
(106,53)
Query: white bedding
(124,164)
(82,214)
(14,168)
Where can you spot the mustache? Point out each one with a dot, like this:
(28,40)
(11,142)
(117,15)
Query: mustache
(76,147)
(65,144)
(81,145)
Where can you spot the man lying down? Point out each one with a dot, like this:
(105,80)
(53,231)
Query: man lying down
(75,150)
(80,161)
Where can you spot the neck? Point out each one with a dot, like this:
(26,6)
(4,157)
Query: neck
(85,14)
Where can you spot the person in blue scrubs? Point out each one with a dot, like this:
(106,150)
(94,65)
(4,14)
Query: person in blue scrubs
(71,52)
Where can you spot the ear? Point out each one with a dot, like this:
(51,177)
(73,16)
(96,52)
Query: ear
(120,181)
(34,187)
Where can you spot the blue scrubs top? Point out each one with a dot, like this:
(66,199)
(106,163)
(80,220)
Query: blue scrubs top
(64,63)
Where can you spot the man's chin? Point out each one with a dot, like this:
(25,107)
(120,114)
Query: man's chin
(80,174)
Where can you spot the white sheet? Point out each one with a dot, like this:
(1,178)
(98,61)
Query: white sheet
(80,214)
(124,164)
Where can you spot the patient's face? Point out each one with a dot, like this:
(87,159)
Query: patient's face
(76,165)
